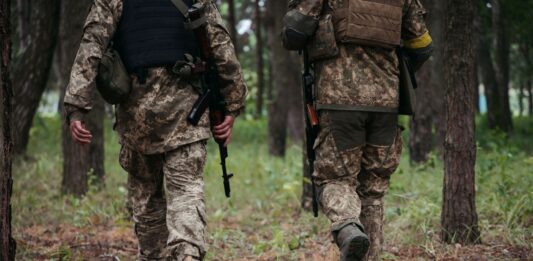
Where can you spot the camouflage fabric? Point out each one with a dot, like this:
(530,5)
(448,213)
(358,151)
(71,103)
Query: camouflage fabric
(169,223)
(372,219)
(379,163)
(307,7)
(152,120)
(351,173)
(363,78)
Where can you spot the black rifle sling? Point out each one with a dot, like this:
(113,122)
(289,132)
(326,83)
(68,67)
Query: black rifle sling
(184,10)
(182,7)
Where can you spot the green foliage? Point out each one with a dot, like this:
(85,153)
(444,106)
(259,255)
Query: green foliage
(263,218)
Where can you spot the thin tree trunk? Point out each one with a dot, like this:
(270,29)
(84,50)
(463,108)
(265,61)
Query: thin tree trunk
(436,24)
(32,68)
(286,75)
(24,10)
(421,136)
(490,84)
(260,62)
(430,110)
(233,24)
(79,161)
(530,97)
(502,47)
(521,96)
(459,216)
(529,86)
(477,106)
(295,122)
(7,243)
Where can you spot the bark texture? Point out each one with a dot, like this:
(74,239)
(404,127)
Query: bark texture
(421,125)
(39,23)
(521,96)
(488,77)
(530,97)
(501,65)
(427,127)
(286,77)
(7,243)
(260,62)
(80,162)
(233,24)
(436,27)
(459,217)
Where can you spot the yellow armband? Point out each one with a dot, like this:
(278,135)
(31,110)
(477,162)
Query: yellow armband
(419,42)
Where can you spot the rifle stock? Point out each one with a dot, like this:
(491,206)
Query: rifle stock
(312,115)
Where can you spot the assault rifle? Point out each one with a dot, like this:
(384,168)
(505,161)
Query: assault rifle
(211,97)
(311,123)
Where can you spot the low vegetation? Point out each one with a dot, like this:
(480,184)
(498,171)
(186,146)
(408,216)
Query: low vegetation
(263,220)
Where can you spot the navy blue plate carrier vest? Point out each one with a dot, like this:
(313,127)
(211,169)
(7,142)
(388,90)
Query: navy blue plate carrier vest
(151,34)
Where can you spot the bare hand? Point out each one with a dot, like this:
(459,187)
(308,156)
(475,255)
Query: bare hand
(79,133)
(222,132)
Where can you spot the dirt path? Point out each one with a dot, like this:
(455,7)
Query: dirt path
(105,242)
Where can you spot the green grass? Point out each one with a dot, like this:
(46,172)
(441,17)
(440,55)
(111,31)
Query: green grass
(263,215)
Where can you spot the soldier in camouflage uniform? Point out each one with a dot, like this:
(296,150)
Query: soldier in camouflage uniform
(359,144)
(157,141)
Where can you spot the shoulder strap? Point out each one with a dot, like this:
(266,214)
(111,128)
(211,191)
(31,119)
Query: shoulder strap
(184,10)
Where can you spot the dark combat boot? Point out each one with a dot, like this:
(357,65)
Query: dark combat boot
(352,242)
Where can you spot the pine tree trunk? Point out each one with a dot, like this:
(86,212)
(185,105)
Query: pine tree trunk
(529,85)
(286,75)
(502,47)
(79,162)
(260,62)
(476,90)
(296,121)
(521,96)
(530,97)
(233,24)
(436,27)
(421,136)
(7,243)
(459,216)
(32,68)
(429,111)
(494,107)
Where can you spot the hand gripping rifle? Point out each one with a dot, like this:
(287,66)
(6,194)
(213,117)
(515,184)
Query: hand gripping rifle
(311,123)
(211,98)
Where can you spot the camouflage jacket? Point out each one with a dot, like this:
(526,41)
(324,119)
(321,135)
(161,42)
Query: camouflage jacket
(365,78)
(153,120)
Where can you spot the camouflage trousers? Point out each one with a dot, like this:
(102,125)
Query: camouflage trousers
(356,153)
(166,192)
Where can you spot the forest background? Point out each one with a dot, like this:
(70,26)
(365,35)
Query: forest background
(70,203)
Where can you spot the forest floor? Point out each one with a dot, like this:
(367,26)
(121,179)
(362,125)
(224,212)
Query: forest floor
(263,220)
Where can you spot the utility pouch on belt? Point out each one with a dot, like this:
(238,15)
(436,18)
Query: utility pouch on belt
(297,30)
(323,45)
(369,22)
(113,81)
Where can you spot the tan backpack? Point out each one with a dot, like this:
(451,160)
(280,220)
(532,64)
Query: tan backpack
(369,22)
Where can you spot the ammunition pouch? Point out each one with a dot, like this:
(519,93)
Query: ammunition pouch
(369,22)
(297,30)
(323,44)
(113,81)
